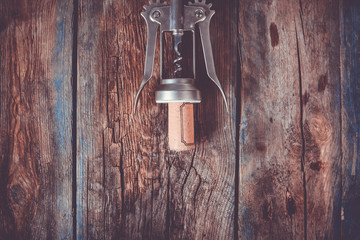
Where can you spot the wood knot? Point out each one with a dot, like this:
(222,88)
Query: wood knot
(274,35)
(290,204)
(312,150)
(268,210)
(17,194)
(260,146)
(305,98)
(317,166)
(320,129)
(323,81)
(22,193)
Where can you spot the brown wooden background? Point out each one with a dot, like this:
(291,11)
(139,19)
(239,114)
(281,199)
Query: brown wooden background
(283,164)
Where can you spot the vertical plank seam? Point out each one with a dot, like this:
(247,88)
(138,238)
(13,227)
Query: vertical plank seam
(341,123)
(87,200)
(104,182)
(74,114)
(122,184)
(301,17)
(104,72)
(340,116)
(236,64)
(341,110)
(168,217)
(302,134)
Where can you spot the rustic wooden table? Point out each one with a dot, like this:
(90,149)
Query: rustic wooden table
(283,164)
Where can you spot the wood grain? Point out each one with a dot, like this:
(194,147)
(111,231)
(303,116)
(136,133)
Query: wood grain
(76,164)
(129,185)
(35,120)
(271,192)
(307,35)
(319,57)
(350,116)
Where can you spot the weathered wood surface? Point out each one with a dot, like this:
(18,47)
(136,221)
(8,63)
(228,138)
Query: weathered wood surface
(36,119)
(350,85)
(290,138)
(283,164)
(129,186)
(271,193)
(319,55)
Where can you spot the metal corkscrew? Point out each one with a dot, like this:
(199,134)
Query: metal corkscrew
(179,58)
(178,18)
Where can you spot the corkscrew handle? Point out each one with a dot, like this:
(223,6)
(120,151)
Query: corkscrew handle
(181,126)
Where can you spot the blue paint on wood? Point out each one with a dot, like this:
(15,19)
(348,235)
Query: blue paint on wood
(243,129)
(234,110)
(242,48)
(248,110)
(247,224)
(63,111)
(60,37)
(63,108)
(351,71)
(80,189)
(350,29)
(60,119)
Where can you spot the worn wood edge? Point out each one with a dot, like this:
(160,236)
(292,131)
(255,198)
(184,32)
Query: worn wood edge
(349,29)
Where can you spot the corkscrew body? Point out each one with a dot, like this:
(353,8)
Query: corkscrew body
(178,18)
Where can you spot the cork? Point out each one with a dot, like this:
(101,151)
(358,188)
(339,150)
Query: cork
(181,127)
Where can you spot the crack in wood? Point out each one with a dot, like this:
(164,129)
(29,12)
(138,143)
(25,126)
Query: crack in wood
(197,189)
(301,13)
(302,133)
(187,174)
(236,74)
(168,211)
(74,73)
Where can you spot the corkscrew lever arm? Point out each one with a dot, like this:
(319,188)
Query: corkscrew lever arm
(204,28)
(152,28)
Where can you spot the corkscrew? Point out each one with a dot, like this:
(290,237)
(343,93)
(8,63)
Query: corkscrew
(179,56)
(178,91)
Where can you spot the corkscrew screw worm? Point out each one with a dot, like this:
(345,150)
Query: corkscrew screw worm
(177,61)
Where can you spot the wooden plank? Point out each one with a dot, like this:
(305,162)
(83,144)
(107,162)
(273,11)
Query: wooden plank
(350,85)
(91,122)
(317,29)
(271,193)
(36,119)
(129,185)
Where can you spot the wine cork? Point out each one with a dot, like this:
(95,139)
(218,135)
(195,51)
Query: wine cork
(181,126)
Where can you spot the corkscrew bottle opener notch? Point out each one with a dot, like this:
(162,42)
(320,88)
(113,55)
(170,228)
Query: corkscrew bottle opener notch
(178,19)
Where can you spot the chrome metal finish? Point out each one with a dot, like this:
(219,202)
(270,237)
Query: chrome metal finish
(152,28)
(178,90)
(178,18)
(177,61)
(204,28)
